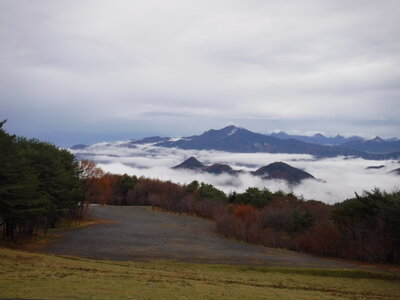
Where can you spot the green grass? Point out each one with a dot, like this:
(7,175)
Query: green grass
(32,275)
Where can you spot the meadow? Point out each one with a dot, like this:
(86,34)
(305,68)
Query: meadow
(44,276)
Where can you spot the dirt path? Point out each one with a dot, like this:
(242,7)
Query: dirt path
(138,233)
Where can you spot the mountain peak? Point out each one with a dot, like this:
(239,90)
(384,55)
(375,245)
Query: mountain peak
(231,129)
(376,139)
(191,163)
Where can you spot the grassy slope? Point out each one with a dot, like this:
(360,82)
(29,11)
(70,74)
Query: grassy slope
(30,275)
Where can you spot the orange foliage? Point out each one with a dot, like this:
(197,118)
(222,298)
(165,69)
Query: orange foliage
(323,238)
(245,213)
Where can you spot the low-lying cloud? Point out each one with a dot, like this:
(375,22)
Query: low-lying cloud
(342,176)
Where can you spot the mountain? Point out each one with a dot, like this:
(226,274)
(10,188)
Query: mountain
(276,170)
(280,170)
(218,169)
(237,139)
(375,167)
(79,147)
(375,145)
(396,171)
(151,140)
(393,139)
(191,163)
(318,138)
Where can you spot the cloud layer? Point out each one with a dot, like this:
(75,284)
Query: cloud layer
(74,71)
(343,176)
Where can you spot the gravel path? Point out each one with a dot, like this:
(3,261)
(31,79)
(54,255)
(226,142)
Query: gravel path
(138,233)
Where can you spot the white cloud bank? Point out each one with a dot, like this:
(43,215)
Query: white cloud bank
(343,176)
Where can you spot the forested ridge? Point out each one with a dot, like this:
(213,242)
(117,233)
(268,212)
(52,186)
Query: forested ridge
(40,183)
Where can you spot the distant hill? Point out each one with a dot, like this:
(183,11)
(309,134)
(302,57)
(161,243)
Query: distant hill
(218,169)
(318,138)
(191,164)
(375,167)
(280,170)
(147,140)
(396,171)
(237,139)
(276,170)
(151,139)
(79,147)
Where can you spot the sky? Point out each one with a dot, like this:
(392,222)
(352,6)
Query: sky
(88,71)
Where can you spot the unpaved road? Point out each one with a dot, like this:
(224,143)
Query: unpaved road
(138,233)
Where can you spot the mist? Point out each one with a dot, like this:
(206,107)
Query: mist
(342,176)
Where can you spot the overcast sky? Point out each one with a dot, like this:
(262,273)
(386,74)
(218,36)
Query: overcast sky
(84,71)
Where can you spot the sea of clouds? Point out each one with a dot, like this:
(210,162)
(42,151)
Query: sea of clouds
(343,176)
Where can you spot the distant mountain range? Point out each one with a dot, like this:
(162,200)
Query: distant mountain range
(276,170)
(375,145)
(237,139)
(318,138)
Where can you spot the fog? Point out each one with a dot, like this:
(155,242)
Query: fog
(343,176)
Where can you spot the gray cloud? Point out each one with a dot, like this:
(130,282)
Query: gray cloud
(79,66)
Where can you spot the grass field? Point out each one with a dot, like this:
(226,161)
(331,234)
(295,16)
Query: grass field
(42,276)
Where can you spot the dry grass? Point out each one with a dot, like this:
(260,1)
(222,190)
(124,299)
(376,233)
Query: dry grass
(31,275)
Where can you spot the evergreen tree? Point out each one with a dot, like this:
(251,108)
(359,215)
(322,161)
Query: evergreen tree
(38,184)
